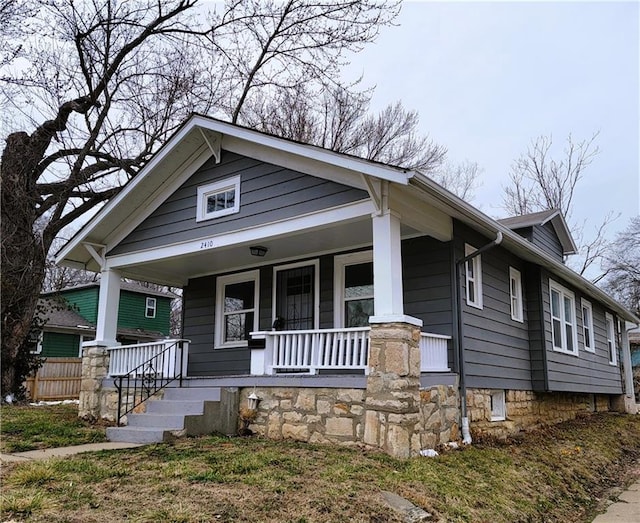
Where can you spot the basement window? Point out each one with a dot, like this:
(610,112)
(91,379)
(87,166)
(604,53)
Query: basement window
(218,199)
(498,406)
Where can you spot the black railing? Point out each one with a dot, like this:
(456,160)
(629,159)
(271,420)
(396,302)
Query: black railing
(150,377)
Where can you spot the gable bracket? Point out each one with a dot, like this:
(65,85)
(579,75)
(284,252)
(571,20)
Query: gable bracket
(374,187)
(213,140)
(97,252)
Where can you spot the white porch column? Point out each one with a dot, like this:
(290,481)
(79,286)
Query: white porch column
(630,399)
(387,270)
(107,325)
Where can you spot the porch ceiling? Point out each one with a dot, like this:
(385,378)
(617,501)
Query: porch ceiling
(177,270)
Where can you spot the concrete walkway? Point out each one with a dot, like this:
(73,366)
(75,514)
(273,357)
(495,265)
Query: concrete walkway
(32,455)
(626,509)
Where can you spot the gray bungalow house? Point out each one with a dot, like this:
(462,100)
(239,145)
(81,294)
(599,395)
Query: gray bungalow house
(354,302)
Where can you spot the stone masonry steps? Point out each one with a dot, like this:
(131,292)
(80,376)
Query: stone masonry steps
(182,411)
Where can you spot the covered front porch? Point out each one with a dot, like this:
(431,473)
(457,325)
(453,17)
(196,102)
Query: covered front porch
(312,352)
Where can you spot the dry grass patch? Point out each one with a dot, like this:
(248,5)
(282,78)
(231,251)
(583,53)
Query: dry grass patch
(556,475)
(25,427)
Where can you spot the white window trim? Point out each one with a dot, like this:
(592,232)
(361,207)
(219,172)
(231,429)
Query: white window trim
(204,191)
(498,406)
(610,328)
(340,262)
(586,304)
(147,306)
(316,288)
(221,283)
(564,292)
(477,271)
(518,314)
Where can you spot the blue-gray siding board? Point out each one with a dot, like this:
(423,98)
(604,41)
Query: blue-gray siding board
(587,372)
(267,193)
(496,347)
(545,237)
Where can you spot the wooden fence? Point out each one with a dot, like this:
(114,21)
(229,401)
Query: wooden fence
(57,379)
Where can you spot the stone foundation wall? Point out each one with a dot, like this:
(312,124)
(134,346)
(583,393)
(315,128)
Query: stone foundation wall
(314,415)
(526,410)
(338,416)
(440,412)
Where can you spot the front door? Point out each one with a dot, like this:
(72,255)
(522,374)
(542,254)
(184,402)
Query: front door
(295,298)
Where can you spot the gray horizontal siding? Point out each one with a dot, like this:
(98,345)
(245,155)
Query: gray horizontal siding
(545,237)
(496,347)
(537,342)
(267,193)
(426,271)
(587,372)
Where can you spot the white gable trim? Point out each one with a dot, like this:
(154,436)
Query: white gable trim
(198,139)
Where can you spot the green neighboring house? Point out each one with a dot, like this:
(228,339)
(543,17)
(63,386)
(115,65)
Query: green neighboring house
(143,316)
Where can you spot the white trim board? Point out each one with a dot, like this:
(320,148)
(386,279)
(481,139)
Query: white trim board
(241,236)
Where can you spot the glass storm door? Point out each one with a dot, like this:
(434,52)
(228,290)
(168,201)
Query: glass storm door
(295,298)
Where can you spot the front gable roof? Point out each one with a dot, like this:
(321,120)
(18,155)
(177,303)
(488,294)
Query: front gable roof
(198,139)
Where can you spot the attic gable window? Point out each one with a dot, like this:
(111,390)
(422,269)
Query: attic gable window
(218,199)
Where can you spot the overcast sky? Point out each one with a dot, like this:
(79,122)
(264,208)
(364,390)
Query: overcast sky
(487,78)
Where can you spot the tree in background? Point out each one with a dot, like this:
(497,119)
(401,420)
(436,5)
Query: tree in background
(342,121)
(622,267)
(91,89)
(538,182)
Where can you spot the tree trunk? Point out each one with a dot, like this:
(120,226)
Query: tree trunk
(23,255)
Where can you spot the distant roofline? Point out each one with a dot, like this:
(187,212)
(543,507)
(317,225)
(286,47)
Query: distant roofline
(124,286)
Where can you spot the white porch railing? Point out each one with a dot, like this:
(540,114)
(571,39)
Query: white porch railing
(311,350)
(125,358)
(332,349)
(433,352)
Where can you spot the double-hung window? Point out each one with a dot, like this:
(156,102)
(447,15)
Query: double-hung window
(236,308)
(587,326)
(611,338)
(563,319)
(150,308)
(473,278)
(353,284)
(515,289)
(218,199)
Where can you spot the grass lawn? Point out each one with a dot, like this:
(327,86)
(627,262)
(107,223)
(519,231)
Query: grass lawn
(30,428)
(559,474)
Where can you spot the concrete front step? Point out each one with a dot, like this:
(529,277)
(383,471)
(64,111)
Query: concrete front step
(138,434)
(193,393)
(158,420)
(181,411)
(165,406)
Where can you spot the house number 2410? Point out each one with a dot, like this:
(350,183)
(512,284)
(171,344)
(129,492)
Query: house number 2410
(207,244)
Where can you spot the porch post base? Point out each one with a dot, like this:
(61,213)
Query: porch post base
(624,404)
(95,367)
(392,397)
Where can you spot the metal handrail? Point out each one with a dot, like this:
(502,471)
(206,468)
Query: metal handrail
(149,378)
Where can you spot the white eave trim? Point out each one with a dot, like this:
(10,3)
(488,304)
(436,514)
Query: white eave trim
(352,163)
(241,236)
